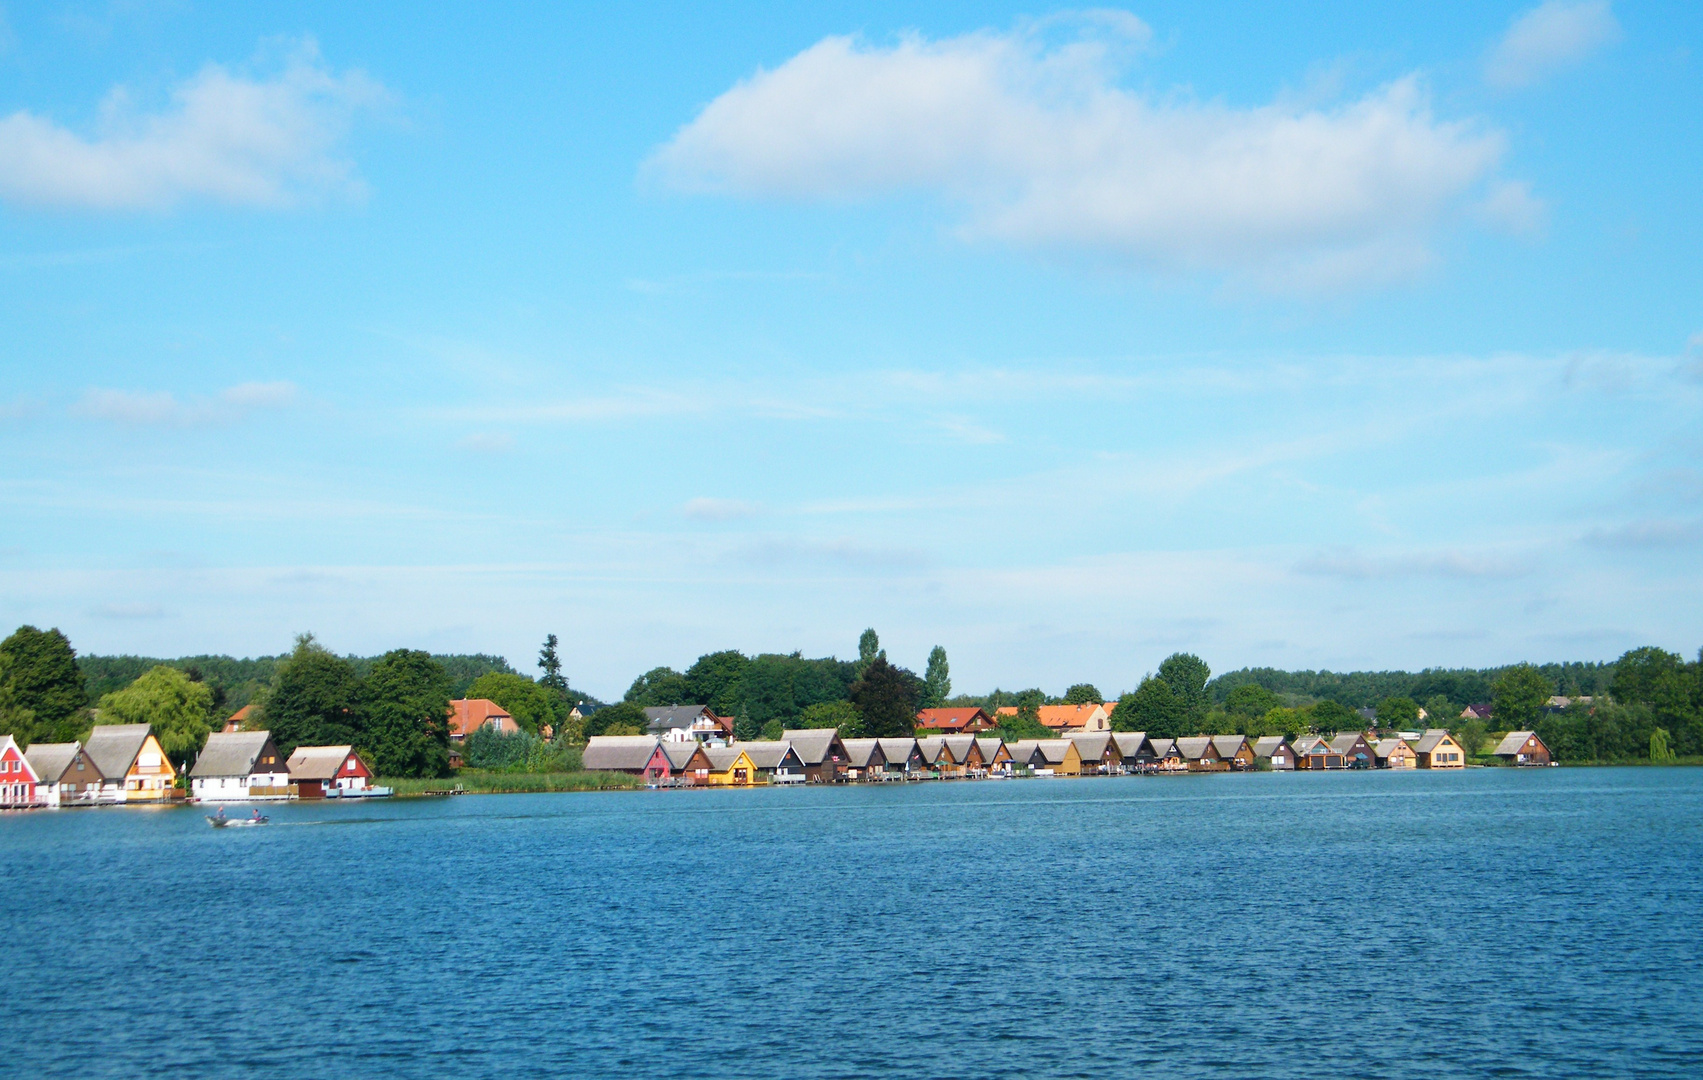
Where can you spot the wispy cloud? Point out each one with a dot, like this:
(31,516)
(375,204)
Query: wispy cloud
(704,508)
(487,442)
(1551,37)
(162,408)
(227,138)
(1041,144)
(1660,533)
(1358,566)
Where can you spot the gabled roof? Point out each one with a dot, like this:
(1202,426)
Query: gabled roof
(618,751)
(1515,742)
(1023,751)
(231,753)
(1386,747)
(1163,747)
(239,718)
(954,719)
(859,752)
(960,745)
(8,743)
(468,715)
(664,718)
(1344,741)
(113,748)
(897,751)
(1068,716)
(1478,710)
(318,762)
(1428,741)
(1129,742)
(679,752)
(991,746)
(771,755)
(1306,744)
(1195,747)
(1055,751)
(932,747)
(1268,745)
(1228,745)
(723,758)
(1092,745)
(50,760)
(813,745)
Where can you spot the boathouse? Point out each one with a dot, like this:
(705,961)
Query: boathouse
(18,779)
(1276,750)
(901,758)
(730,766)
(636,755)
(316,771)
(1314,752)
(1436,749)
(995,757)
(1394,753)
(775,761)
(1201,755)
(1356,750)
(822,751)
(1523,748)
(133,767)
(236,766)
(1237,752)
(863,759)
(67,775)
(1099,752)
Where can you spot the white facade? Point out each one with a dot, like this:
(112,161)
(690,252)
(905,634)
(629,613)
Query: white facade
(238,788)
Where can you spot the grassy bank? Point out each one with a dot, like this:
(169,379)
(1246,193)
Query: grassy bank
(475,782)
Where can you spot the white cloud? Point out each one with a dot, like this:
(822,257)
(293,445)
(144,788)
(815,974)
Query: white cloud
(707,509)
(1041,146)
(225,137)
(1550,37)
(487,442)
(162,408)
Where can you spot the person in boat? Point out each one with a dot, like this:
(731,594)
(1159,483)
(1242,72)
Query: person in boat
(221,813)
(256,816)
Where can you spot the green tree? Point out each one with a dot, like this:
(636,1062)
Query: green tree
(1330,716)
(179,710)
(660,687)
(886,700)
(1251,699)
(551,665)
(1186,674)
(1440,711)
(1152,707)
(841,715)
(868,650)
(1518,698)
(1471,735)
(405,705)
(1399,713)
(773,730)
(717,680)
(1659,746)
(41,688)
(1083,694)
(532,704)
(630,718)
(315,700)
(937,678)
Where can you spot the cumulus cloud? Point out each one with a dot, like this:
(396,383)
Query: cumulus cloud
(1040,146)
(225,137)
(162,408)
(707,509)
(1551,37)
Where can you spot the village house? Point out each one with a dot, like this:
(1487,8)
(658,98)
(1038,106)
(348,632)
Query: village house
(67,776)
(775,761)
(320,772)
(955,721)
(1099,753)
(935,755)
(1523,748)
(236,766)
(1200,755)
(996,759)
(1395,753)
(1478,710)
(864,760)
(133,768)
(637,755)
(901,758)
(18,779)
(688,722)
(1236,751)
(1315,752)
(687,760)
(1070,719)
(1437,750)
(730,766)
(240,719)
(1060,757)
(467,715)
(822,751)
(1356,750)
(1276,750)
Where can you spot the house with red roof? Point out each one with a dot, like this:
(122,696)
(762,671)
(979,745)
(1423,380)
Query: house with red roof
(467,715)
(952,721)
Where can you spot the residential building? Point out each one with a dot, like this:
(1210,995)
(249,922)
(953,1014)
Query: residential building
(1437,750)
(1395,753)
(133,768)
(1070,719)
(697,722)
(317,771)
(18,779)
(66,774)
(1523,748)
(953,721)
(240,719)
(236,766)
(467,715)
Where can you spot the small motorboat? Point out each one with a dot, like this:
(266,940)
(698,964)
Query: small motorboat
(220,821)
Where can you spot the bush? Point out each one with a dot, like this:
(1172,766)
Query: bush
(520,752)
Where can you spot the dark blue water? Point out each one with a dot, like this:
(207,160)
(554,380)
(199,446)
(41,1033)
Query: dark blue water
(1487,923)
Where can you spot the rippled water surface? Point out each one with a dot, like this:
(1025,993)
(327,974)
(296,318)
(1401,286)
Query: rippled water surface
(1486,923)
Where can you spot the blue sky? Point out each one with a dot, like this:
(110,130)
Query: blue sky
(1330,335)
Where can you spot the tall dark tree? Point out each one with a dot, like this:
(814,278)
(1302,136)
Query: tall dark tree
(660,686)
(937,677)
(887,699)
(1152,707)
(315,699)
(551,665)
(716,681)
(41,689)
(1518,698)
(1186,674)
(1083,694)
(405,705)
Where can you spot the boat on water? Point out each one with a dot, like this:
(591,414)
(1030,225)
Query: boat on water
(220,821)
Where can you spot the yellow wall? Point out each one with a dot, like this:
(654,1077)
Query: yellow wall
(1448,746)
(149,784)
(726,779)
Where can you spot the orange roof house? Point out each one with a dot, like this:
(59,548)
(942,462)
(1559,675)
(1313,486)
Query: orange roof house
(239,719)
(1075,718)
(467,715)
(953,721)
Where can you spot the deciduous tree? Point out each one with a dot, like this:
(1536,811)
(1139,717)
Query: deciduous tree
(178,709)
(1083,694)
(315,699)
(841,715)
(886,699)
(532,704)
(1152,707)
(41,689)
(1398,712)
(405,702)
(1518,697)
(660,687)
(1186,674)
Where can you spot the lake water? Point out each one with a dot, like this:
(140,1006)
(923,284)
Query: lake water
(1485,923)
